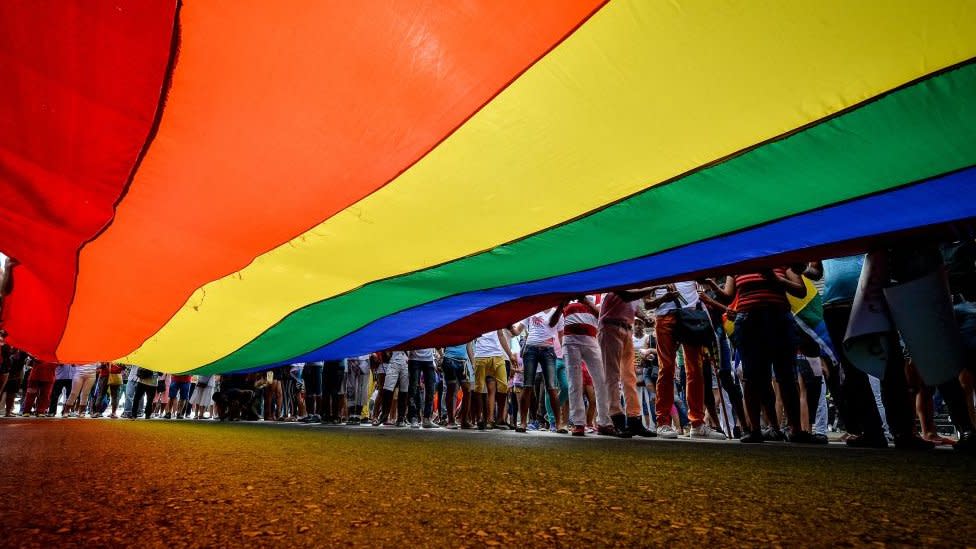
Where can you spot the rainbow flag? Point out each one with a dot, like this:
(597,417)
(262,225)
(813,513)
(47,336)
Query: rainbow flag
(211,186)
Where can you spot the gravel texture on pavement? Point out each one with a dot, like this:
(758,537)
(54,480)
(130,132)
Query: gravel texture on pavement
(181,483)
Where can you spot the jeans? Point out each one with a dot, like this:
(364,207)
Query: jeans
(576,354)
(130,391)
(147,391)
(60,386)
(538,358)
(416,368)
(563,381)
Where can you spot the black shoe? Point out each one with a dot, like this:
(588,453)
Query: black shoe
(773,435)
(753,437)
(867,441)
(966,442)
(801,437)
(636,426)
(736,432)
(611,431)
(912,442)
(482,426)
(818,439)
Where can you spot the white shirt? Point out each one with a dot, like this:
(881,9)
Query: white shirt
(488,345)
(538,330)
(426,355)
(83,370)
(689,298)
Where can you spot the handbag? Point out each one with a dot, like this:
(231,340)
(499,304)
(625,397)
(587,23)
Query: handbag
(694,326)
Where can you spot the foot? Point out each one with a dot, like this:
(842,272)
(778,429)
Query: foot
(562,431)
(533,426)
(867,441)
(482,426)
(611,431)
(799,437)
(773,435)
(667,432)
(520,429)
(705,432)
(579,431)
(636,426)
(912,442)
(451,425)
(400,423)
(376,423)
(966,442)
(816,438)
(466,426)
(428,424)
(752,437)
(414,424)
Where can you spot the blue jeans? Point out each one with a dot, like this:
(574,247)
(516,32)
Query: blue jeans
(538,358)
(416,368)
(563,378)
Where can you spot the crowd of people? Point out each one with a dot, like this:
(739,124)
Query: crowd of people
(714,358)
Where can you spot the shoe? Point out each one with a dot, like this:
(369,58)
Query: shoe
(579,431)
(167,416)
(466,426)
(533,426)
(736,432)
(113,416)
(636,426)
(611,431)
(482,426)
(966,442)
(667,432)
(376,423)
(503,426)
(706,432)
(414,424)
(563,431)
(428,424)
(753,437)
(816,438)
(451,425)
(867,441)
(520,429)
(773,435)
(400,423)
(354,420)
(802,437)
(912,442)
(553,429)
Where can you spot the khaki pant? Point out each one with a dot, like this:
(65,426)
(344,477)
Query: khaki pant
(617,345)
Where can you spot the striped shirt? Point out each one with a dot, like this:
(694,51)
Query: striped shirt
(580,321)
(754,290)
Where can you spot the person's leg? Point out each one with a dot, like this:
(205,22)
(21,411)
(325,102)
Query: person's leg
(783,347)
(501,390)
(404,386)
(430,380)
(150,395)
(574,367)
(667,350)
(43,396)
(610,339)
(414,404)
(114,392)
(548,364)
(694,385)
(531,359)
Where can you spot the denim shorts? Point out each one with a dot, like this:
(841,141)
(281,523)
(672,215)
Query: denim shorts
(543,360)
(182,387)
(454,370)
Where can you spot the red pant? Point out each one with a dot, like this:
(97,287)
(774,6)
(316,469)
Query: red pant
(667,350)
(38,392)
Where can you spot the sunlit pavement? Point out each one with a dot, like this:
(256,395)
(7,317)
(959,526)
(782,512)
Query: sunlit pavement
(184,483)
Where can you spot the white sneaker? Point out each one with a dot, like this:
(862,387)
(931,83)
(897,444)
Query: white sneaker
(666,431)
(704,431)
(414,424)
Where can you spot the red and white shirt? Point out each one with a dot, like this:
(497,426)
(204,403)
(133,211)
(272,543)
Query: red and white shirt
(581,324)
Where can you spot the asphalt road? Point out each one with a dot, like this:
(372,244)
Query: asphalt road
(169,483)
